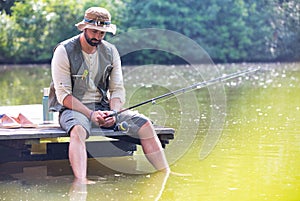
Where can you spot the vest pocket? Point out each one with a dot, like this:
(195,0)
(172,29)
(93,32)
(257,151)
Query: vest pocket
(79,86)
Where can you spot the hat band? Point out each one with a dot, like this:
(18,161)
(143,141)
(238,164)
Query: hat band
(97,22)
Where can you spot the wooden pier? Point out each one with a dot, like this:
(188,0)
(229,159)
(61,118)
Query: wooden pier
(50,142)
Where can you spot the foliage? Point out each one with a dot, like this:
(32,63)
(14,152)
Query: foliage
(6,37)
(5,5)
(229,30)
(287,30)
(36,26)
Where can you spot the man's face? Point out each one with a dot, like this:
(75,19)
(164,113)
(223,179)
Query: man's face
(93,37)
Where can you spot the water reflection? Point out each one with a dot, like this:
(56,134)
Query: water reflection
(151,189)
(54,181)
(78,191)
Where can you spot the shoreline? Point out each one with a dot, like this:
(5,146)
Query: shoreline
(4,67)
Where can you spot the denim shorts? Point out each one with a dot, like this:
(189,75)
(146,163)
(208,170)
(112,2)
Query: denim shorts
(69,118)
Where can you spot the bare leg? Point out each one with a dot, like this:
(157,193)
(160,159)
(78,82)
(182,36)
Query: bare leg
(152,147)
(77,153)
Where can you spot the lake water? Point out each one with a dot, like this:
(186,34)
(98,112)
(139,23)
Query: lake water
(234,141)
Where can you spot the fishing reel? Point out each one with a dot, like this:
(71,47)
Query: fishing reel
(122,126)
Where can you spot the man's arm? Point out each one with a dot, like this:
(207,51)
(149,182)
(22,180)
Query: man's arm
(61,74)
(116,84)
(116,89)
(115,104)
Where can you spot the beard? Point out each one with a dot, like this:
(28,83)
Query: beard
(91,41)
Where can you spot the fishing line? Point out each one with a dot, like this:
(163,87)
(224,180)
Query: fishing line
(190,88)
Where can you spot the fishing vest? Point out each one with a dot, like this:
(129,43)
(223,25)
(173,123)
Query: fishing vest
(80,72)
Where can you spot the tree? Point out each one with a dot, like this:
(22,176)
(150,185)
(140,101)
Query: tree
(229,30)
(5,5)
(225,29)
(6,37)
(35,27)
(286,23)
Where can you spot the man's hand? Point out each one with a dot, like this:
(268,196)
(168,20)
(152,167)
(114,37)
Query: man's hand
(100,118)
(109,121)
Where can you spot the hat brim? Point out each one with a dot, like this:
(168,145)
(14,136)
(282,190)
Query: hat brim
(112,28)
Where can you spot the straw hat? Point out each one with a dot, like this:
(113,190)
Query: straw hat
(97,18)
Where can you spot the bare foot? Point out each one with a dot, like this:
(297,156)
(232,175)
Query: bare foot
(169,172)
(180,174)
(83,181)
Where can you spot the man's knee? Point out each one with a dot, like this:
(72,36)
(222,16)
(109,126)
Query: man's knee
(78,133)
(147,131)
(147,125)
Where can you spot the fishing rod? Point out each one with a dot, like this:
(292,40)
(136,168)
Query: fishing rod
(198,85)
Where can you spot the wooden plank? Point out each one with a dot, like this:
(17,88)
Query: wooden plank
(34,113)
(20,144)
(55,131)
(60,151)
(48,132)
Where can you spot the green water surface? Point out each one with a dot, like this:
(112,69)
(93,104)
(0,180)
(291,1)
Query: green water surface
(256,157)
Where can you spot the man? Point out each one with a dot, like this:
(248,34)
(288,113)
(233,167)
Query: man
(88,82)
